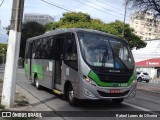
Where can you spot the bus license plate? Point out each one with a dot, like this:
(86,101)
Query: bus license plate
(115,91)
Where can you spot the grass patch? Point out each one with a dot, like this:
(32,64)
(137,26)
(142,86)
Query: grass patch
(1,107)
(1,81)
(21,100)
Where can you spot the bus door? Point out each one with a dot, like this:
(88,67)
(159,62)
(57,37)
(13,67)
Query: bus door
(59,41)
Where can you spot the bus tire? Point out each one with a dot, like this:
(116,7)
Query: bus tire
(37,83)
(70,96)
(118,101)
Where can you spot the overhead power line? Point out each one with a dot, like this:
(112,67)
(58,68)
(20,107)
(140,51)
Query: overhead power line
(104,8)
(56,5)
(97,9)
(1,3)
(110,5)
(81,3)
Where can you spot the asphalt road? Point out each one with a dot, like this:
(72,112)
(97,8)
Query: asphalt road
(45,100)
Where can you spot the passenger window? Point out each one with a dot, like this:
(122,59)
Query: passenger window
(42,48)
(47,48)
(34,50)
(38,47)
(70,57)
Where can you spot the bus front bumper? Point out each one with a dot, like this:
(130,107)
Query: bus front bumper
(88,91)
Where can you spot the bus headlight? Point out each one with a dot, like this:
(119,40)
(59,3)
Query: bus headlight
(90,81)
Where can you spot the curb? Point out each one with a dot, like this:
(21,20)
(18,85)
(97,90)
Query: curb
(157,93)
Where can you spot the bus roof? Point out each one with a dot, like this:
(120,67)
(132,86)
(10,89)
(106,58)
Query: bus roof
(64,30)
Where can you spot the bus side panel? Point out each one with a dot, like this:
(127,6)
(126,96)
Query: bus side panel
(37,69)
(48,75)
(69,74)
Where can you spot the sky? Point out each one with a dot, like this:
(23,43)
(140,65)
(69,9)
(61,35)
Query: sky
(105,10)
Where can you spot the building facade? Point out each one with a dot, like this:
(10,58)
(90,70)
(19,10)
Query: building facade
(39,18)
(148,59)
(144,25)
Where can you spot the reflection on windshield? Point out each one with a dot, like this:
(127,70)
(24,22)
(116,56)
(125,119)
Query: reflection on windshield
(123,58)
(98,50)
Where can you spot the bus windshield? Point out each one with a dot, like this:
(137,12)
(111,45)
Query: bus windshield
(102,51)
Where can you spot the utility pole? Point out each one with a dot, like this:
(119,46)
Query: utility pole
(10,75)
(124,21)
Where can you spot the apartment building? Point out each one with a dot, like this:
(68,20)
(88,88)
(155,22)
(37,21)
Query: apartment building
(144,25)
(39,18)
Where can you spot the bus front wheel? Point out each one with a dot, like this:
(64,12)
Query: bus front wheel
(70,96)
(118,101)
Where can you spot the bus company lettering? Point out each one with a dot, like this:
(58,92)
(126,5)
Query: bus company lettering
(114,71)
(152,63)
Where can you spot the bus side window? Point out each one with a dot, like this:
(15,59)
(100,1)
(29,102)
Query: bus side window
(38,49)
(70,56)
(34,50)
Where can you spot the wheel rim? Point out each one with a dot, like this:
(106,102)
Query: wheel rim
(71,94)
(37,84)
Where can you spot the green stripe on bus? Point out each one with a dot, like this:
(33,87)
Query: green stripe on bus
(37,69)
(96,79)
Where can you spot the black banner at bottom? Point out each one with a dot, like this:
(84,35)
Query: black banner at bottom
(123,114)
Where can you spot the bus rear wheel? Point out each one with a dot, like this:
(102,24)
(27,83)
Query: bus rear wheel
(70,96)
(118,101)
(37,84)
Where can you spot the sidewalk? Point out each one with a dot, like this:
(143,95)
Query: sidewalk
(32,104)
(149,87)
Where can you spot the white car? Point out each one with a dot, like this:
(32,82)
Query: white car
(143,76)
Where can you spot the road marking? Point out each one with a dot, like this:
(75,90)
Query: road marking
(140,108)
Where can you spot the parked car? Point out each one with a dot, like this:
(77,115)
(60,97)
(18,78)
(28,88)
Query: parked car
(143,76)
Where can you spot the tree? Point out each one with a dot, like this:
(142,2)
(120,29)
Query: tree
(145,5)
(3,50)
(29,30)
(116,28)
(82,20)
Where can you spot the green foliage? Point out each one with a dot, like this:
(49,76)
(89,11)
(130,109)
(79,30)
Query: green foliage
(29,30)
(1,107)
(82,20)
(73,17)
(3,50)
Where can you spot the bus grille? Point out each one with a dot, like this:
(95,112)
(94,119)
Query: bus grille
(103,94)
(114,77)
(106,76)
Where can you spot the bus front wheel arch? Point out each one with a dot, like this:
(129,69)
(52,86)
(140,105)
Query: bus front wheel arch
(69,94)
